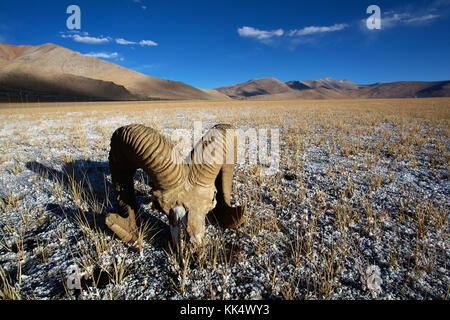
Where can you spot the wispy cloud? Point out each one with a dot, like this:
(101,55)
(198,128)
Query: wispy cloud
(124,42)
(396,18)
(421,19)
(103,55)
(315,29)
(148,43)
(90,40)
(85,38)
(261,35)
(292,37)
(142,43)
(412,15)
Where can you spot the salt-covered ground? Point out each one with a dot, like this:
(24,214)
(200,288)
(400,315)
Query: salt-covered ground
(356,209)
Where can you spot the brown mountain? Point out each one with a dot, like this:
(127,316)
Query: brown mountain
(27,83)
(271,88)
(256,87)
(326,83)
(51,72)
(328,88)
(55,61)
(405,89)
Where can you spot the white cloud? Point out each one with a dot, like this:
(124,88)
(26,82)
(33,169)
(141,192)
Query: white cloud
(250,32)
(142,42)
(420,19)
(293,37)
(103,55)
(315,29)
(148,43)
(85,38)
(124,42)
(90,40)
(393,19)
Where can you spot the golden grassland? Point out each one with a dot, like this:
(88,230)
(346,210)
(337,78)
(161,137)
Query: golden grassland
(367,144)
(144,105)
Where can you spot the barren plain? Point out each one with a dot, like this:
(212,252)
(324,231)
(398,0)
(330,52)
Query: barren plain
(358,208)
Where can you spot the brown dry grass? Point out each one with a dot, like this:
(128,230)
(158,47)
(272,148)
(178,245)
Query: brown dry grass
(360,135)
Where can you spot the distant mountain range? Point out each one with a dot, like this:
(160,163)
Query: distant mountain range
(50,72)
(328,88)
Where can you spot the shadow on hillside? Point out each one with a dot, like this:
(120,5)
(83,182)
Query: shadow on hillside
(92,179)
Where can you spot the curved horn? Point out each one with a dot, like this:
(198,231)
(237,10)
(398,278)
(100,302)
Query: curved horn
(133,147)
(146,148)
(212,161)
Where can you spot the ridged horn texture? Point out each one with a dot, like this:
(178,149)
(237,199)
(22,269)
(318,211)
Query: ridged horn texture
(174,183)
(212,162)
(144,147)
(133,147)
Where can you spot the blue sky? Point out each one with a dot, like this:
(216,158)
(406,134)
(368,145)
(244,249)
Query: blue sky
(214,43)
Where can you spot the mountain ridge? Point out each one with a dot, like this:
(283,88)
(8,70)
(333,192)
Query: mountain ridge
(52,72)
(329,88)
(60,60)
